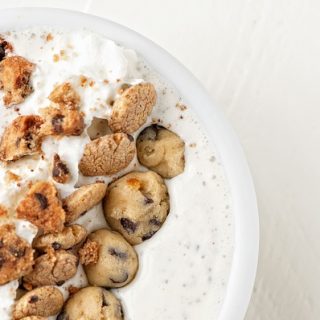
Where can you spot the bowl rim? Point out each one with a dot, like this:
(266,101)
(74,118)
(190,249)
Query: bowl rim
(245,210)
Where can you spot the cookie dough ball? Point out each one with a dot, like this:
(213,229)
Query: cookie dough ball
(15,74)
(92,303)
(41,302)
(52,268)
(83,199)
(161,150)
(117,262)
(69,237)
(137,205)
(107,155)
(130,111)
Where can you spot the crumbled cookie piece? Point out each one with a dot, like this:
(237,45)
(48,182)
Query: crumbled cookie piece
(5,47)
(16,255)
(62,121)
(15,74)
(66,239)
(117,262)
(161,150)
(130,111)
(52,268)
(92,303)
(41,302)
(65,95)
(136,205)
(89,253)
(107,155)
(3,211)
(21,138)
(72,290)
(42,207)
(83,199)
(60,171)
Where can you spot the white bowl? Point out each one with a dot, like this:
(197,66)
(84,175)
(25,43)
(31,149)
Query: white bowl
(242,190)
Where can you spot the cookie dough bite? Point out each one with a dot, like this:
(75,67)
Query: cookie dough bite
(40,302)
(21,138)
(83,199)
(107,155)
(92,303)
(137,205)
(161,150)
(15,74)
(52,268)
(60,171)
(42,207)
(117,261)
(16,255)
(69,237)
(131,109)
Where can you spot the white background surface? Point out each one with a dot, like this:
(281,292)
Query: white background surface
(259,60)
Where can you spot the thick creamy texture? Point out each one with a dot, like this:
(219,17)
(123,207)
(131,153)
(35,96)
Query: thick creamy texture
(184,268)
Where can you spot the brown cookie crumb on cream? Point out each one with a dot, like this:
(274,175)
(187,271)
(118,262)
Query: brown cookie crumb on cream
(42,207)
(60,171)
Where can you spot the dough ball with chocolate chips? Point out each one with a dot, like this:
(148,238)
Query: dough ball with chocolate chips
(83,199)
(117,262)
(107,155)
(69,237)
(41,302)
(15,74)
(60,171)
(16,255)
(92,303)
(42,207)
(161,150)
(137,205)
(21,138)
(131,109)
(52,268)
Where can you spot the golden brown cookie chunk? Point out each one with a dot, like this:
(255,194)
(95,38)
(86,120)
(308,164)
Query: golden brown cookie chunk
(66,239)
(89,253)
(60,171)
(117,262)
(16,255)
(107,155)
(21,138)
(42,302)
(65,95)
(52,268)
(15,73)
(92,303)
(161,150)
(83,199)
(42,207)
(131,110)
(137,205)
(62,121)
(34,318)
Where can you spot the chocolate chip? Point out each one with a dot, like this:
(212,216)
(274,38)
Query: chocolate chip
(148,200)
(124,278)
(119,254)
(59,168)
(155,222)
(34,299)
(2,260)
(56,245)
(62,316)
(18,253)
(42,199)
(148,235)
(128,225)
(2,52)
(56,122)
(60,283)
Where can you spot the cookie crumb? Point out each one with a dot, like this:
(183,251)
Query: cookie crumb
(89,253)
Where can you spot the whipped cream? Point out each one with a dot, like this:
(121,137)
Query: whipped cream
(184,268)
